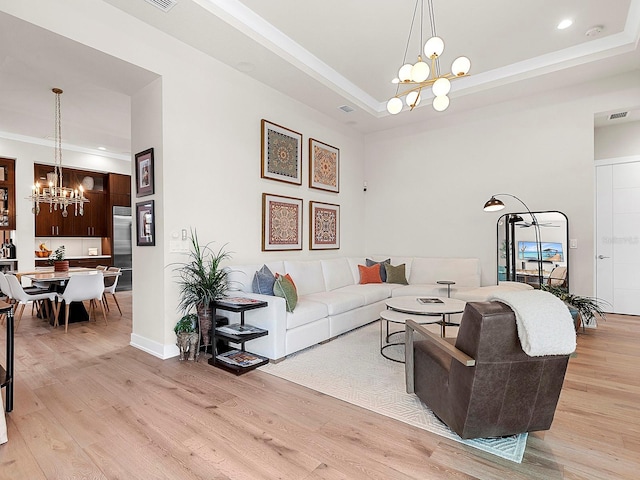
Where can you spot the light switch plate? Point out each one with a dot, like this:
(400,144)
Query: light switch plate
(573,243)
(178,246)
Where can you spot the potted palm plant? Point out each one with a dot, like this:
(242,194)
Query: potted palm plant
(202,281)
(186,330)
(588,307)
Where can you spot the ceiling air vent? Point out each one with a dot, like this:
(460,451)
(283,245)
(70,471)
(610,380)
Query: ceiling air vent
(164,5)
(613,116)
(346,108)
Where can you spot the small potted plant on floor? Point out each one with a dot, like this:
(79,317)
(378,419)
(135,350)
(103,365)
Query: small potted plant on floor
(187,336)
(202,281)
(58,260)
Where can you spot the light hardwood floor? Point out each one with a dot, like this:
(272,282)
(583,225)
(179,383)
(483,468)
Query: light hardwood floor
(87,405)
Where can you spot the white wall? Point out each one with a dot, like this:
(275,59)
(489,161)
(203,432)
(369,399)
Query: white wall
(539,148)
(617,141)
(207,156)
(426,183)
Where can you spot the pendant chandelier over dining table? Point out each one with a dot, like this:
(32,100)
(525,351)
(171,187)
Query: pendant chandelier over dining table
(55,194)
(420,75)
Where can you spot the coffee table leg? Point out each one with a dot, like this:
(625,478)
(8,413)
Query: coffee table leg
(443,324)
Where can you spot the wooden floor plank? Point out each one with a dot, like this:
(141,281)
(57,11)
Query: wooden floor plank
(88,405)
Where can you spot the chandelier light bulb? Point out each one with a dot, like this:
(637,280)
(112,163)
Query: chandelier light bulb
(413,99)
(434,47)
(420,72)
(395,80)
(440,103)
(461,66)
(441,87)
(394,106)
(404,74)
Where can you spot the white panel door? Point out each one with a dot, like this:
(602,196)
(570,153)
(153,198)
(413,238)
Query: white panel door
(618,236)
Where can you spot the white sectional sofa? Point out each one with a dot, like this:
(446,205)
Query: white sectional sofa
(331,300)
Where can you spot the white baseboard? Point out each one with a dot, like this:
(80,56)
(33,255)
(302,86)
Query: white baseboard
(154,348)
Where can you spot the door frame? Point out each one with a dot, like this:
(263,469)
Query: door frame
(601,163)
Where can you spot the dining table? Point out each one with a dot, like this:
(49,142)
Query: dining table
(47,277)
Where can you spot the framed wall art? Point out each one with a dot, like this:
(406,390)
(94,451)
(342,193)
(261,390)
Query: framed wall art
(281,153)
(145,224)
(324,166)
(281,223)
(324,227)
(144,173)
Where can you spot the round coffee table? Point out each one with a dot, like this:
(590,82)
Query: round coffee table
(422,310)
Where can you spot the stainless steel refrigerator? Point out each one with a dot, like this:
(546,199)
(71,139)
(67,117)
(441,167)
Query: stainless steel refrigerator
(122,245)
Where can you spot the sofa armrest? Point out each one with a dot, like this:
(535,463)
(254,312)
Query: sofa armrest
(440,343)
(273,317)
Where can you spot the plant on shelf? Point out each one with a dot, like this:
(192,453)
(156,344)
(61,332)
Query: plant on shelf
(202,281)
(187,336)
(588,307)
(57,259)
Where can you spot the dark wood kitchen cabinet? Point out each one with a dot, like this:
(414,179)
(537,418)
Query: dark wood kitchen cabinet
(120,189)
(93,223)
(7,194)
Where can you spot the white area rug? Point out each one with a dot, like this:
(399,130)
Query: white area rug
(351,368)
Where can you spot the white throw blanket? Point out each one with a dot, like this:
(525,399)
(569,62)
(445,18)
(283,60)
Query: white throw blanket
(545,325)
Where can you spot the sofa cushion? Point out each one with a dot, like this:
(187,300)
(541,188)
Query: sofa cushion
(240,277)
(337,273)
(307,275)
(307,311)
(263,281)
(284,287)
(408,264)
(483,294)
(383,272)
(338,301)
(372,292)
(423,290)
(370,274)
(396,274)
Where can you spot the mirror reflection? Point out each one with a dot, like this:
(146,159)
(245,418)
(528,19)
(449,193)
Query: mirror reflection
(525,257)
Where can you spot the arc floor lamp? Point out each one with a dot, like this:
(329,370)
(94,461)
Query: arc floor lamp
(494,205)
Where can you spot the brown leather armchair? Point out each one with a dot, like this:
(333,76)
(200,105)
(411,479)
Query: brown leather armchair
(484,385)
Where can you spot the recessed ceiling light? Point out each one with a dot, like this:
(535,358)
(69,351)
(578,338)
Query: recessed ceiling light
(566,23)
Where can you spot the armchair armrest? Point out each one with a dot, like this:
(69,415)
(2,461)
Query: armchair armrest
(438,342)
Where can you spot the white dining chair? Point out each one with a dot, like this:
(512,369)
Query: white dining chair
(6,292)
(21,297)
(78,289)
(110,284)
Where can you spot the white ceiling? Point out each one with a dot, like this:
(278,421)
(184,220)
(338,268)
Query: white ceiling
(326,54)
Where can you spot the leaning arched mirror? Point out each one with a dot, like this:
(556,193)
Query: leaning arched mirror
(534,248)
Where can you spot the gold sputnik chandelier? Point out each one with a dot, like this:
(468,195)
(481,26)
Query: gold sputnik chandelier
(421,75)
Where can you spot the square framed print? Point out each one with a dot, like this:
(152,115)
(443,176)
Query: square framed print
(281,154)
(281,223)
(324,227)
(324,166)
(145,224)
(144,173)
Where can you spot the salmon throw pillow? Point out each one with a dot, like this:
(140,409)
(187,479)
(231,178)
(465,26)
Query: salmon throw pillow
(369,274)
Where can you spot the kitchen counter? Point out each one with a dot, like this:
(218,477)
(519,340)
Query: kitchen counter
(77,257)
